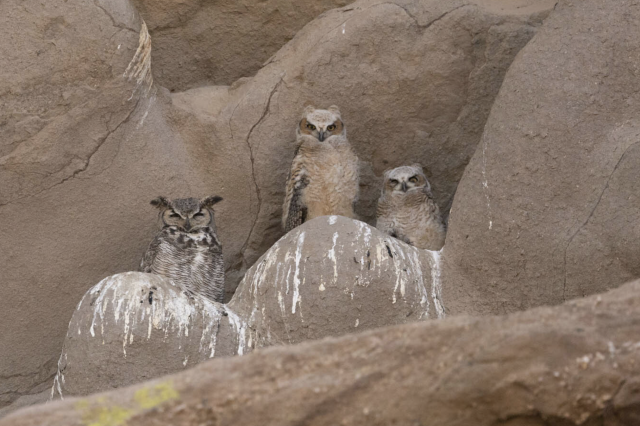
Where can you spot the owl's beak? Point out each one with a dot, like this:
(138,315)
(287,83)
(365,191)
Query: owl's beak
(321,135)
(404,187)
(187,226)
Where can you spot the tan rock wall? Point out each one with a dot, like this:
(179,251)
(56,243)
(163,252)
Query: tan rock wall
(86,140)
(199,43)
(548,209)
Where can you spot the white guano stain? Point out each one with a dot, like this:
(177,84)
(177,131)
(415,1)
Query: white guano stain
(485,183)
(240,328)
(122,301)
(296,276)
(333,220)
(332,255)
(280,274)
(436,284)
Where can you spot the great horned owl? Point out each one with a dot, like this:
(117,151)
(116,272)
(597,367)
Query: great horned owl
(323,179)
(406,209)
(187,249)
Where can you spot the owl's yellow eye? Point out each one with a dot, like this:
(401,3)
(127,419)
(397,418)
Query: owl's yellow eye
(311,126)
(199,214)
(331,127)
(413,179)
(393,182)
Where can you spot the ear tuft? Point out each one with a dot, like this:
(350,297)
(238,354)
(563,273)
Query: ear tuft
(418,166)
(210,201)
(160,202)
(308,110)
(334,109)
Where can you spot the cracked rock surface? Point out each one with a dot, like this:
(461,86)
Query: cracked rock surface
(87,138)
(198,43)
(575,364)
(414,81)
(549,207)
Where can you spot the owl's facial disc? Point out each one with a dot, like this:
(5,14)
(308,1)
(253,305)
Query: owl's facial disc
(321,126)
(170,217)
(404,183)
(200,219)
(189,221)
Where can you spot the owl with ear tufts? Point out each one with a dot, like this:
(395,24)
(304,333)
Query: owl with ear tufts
(406,209)
(187,249)
(323,179)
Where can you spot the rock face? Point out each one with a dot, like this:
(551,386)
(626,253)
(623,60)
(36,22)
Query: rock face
(87,139)
(333,276)
(548,209)
(70,79)
(414,81)
(132,327)
(574,364)
(200,43)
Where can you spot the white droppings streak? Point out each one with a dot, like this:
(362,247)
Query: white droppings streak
(420,285)
(296,276)
(357,322)
(485,183)
(119,298)
(332,256)
(333,220)
(436,285)
(240,328)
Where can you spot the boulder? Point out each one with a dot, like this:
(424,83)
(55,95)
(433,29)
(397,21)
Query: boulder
(132,327)
(548,209)
(574,364)
(200,43)
(332,276)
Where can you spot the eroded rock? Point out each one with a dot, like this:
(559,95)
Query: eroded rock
(134,326)
(574,364)
(200,43)
(87,140)
(414,81)
(332,276)
(548,209)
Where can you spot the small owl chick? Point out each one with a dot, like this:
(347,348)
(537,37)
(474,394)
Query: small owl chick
(187,249)
(406,209)
(323,179)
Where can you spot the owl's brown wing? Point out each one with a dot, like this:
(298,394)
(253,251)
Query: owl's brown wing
(297,214)
(150,255)
(294,211)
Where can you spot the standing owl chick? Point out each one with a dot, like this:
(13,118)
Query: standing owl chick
(323,179)
(406,209)
(187,249)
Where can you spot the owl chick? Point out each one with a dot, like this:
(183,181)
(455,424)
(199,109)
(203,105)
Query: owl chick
(406,209)
(323,179)
(187,249)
